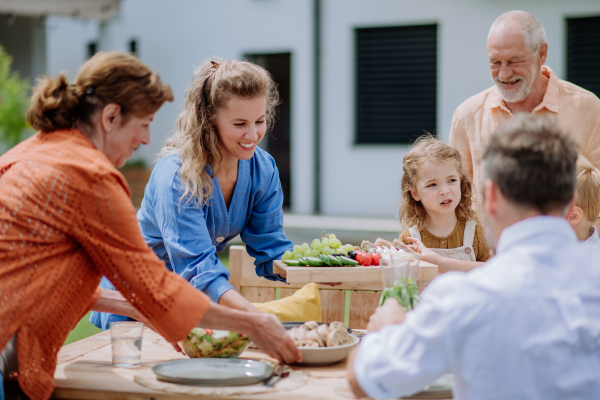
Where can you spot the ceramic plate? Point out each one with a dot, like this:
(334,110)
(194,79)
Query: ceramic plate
(326,355)
(213,372)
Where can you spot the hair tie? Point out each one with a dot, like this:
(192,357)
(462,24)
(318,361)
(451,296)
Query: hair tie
(214,63)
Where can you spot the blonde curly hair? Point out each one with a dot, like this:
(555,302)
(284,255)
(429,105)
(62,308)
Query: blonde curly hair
(196,139)
(429,149)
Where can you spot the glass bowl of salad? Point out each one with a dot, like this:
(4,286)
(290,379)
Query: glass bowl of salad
(208,343)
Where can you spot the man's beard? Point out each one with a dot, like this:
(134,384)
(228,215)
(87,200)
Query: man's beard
(514,95)
(518,95)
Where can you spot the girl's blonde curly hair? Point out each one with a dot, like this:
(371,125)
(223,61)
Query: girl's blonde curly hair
(428,149)
(196,139)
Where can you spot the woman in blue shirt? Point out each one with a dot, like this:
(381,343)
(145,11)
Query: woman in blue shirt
(212,183)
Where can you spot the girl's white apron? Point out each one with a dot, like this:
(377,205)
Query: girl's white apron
(464,253)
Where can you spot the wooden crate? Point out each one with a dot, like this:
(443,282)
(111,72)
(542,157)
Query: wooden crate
(364,293)
(427,272)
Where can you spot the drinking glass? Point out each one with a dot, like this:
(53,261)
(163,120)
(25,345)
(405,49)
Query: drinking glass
(397,268)
(126,340)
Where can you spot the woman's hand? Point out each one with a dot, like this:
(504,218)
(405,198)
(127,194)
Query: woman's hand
(264,329)
(233,299)
(426,254)
(270,336)
(389,313)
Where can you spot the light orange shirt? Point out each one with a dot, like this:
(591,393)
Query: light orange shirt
(66,219)
(577,110)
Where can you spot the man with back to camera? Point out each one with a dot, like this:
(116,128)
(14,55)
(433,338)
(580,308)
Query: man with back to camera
(517,51)
(524,326)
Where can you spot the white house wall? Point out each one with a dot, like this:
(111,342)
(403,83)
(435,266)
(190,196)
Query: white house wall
(356,180)
(175,36)
(364,180)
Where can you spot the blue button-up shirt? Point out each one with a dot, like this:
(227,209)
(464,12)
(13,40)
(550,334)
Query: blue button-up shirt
(524,326)
(184,235)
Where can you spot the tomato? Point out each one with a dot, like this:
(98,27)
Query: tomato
(376,257)
(209,331)
(359,256)
(366,259)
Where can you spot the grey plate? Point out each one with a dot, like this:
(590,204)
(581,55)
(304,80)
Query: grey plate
(213,371)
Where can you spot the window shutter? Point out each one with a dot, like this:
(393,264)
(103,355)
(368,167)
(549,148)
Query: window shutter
(583,53)
(396,83)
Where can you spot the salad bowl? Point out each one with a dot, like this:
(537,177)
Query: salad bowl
(208,343)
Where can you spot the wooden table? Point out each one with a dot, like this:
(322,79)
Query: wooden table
(84,371)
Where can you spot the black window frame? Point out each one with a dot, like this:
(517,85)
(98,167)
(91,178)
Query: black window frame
(429,36)
(581,61)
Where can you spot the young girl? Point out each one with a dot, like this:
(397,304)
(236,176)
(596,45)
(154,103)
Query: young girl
(436,205)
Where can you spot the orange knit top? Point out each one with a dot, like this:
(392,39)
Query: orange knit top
(66,219)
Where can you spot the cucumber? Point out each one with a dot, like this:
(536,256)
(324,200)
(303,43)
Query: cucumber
(325,259)
(313,261)
(344,262)
(303,262)
(292,263)
(334,261)
(349,262)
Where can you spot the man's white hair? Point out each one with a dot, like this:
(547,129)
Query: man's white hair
(533,30)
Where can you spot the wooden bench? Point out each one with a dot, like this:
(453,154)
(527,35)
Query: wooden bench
(364,296)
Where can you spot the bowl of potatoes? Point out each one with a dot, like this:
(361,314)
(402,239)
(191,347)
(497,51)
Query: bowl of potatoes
(322,344)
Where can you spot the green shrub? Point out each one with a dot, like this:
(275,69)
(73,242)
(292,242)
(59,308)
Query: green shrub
(14,93)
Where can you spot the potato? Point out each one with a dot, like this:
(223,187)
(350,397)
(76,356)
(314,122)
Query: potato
(323,331)
(315,337)
(338,338)
(335,325)
(311,325)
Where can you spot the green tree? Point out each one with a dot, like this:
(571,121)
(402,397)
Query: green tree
(14,93)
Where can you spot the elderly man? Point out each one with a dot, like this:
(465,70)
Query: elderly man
(524,326)
(517,51)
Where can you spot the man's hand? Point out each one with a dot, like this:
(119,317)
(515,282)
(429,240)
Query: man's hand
(270,336)
(391,312)
(356,389)
(426,254)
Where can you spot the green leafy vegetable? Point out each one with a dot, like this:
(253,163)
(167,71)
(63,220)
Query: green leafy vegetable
(405,292)
(208,343)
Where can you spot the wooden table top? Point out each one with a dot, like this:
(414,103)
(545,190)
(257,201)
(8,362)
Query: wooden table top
(85,371)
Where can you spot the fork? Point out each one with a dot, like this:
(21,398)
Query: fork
(278,373)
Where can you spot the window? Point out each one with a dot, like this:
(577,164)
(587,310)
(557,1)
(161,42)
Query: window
(396,83)
(583,53)
(133,47)
(92,48)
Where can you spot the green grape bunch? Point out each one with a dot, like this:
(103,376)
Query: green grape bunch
(328,244)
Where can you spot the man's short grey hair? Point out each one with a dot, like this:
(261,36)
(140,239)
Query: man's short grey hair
(533,30)
(533,162)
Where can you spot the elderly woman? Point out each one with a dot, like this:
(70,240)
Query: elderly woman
(66,219)
(213,183)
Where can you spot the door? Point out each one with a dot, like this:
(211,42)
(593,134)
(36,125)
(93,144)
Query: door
(277,141)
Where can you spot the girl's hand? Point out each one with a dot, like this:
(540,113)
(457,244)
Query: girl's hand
(426,254)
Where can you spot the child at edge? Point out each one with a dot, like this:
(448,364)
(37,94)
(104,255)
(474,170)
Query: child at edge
(586,212)
(436,205)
